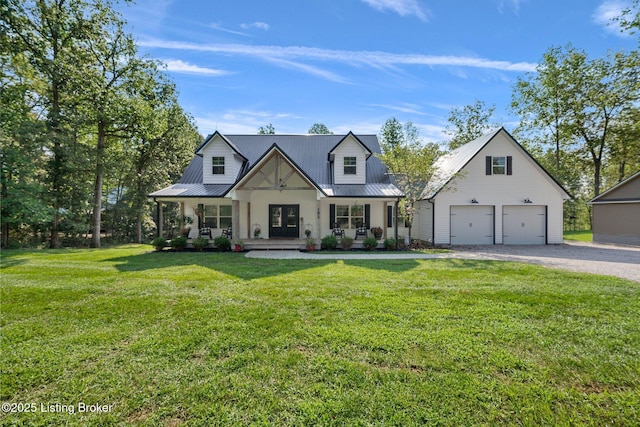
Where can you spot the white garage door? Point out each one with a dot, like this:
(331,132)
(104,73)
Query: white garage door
(472,225)
(524,225)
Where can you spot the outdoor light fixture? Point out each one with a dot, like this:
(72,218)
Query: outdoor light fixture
(527,200)
(475,201)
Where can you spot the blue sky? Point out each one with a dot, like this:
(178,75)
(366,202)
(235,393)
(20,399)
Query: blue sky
(352,64)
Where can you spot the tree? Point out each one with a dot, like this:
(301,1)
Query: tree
(630,18)
(468,123)
(581,101)
(266,130)
(49,33)
(319,129)
(410,162)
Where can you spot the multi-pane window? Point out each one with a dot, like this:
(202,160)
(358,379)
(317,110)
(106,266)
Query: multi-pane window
(499,165)
(217,216)
(217,165)
(350,216)
(349,165)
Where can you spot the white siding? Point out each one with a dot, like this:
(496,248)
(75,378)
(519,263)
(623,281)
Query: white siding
(423,221)
(232,165)
(527,181)
(350,148)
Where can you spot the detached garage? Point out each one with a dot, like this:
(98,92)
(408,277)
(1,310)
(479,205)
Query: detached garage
(491,191)
(616,213)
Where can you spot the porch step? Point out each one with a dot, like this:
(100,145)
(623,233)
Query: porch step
(274,244)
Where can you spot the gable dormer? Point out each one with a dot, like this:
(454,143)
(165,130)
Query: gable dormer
(349,161)
(221,160)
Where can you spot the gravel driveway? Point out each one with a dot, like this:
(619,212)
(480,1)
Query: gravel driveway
(613,260)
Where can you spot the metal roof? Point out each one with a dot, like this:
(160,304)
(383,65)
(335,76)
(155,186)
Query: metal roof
(193,190)
(450,164)
(310,154)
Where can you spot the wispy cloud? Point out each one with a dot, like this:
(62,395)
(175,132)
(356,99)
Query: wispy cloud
(218,27)
(258,25)
(401,7)
(375,59)
(242,121)
(514,5)
(402,108)
(606,12)
(178,66)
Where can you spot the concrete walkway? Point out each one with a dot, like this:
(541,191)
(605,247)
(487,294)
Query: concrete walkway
(613,260)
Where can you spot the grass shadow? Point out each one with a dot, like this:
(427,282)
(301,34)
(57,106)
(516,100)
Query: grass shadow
(232,264)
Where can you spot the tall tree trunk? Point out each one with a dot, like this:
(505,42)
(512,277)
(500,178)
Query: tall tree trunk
(57,161)
(97,190)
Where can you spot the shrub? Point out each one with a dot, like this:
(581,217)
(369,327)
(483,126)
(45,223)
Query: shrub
(329,242)
(200,243)
(159,243)
(347,243)
(370,243)
(179,243)
(390,244)
(222,243)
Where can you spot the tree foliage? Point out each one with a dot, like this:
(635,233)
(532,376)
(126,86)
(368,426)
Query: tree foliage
(469,122)
(84,120)
(319,129)
(576,104)
(410,162)
(267,130)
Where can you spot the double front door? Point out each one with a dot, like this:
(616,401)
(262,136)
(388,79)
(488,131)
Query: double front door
(284,221)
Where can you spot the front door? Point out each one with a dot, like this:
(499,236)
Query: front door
(284,221)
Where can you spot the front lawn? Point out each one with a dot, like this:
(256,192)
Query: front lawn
(219,339)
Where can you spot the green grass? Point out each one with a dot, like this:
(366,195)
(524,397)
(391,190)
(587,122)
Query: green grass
(218,339)
(580,235)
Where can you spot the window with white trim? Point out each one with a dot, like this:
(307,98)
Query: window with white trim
(499,165)
(350,165)
(217,165)
(217,216)
(350,216)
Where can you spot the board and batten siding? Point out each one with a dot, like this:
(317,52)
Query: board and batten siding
(528,180)
(350,148)
(232,165)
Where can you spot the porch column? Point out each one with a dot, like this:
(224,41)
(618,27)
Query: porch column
(317,227)
(235,206)
(160,219)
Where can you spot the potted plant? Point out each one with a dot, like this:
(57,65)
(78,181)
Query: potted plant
(307,233)
(238,246)
(256,232)
(159,243)
(377,232)
(310,244)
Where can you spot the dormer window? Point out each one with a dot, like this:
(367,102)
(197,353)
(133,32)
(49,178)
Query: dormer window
(350,166)
(217,165)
